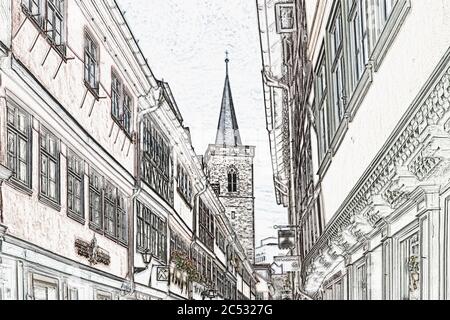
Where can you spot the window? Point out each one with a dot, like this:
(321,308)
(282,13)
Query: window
(115,214)
(44,290)
(232,180)
(151,232)
(361,280)
(103,296)
(360,33)
(337,69)
(322,107)
(33,8)
(121,104)
(127,107)
(383,10)
(49,164)
(122,223)
(73,294)
(95,200)
(116,94)
(157,162)
(19,145)
(75,187)
(206,226)
(184,184)
(49,15)
(55,19)
(91,76)
(220,240)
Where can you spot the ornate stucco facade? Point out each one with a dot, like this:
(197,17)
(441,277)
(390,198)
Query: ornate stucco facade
(372,222)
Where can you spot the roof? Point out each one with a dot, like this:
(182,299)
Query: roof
(228,129)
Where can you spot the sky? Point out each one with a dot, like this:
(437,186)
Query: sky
(185,43)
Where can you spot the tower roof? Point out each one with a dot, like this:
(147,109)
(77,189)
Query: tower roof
(228,129)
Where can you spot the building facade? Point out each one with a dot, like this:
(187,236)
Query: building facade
(372,217)
(101,194)
(230,170)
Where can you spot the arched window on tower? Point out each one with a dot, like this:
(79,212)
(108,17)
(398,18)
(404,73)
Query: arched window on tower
(232,180)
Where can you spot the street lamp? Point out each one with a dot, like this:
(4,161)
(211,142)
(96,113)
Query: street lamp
(209,293)
(147,257)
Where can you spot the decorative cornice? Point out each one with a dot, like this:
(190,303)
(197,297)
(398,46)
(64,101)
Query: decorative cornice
(411,156)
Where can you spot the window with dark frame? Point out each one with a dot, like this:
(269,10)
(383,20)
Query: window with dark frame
(337,68)
(49,157)
(360,30)
(109,206)
(49,15)
(321,88)
(232,180)
(55,20)
(126,113)
(157,162)
(95,200)
(184,183)
(91,73)
(116,96)
(75,187)
(206,226)
(19,142)
(151,233)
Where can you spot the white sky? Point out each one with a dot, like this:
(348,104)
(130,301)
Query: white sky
(185,43)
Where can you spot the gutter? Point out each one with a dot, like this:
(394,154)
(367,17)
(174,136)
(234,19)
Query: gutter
(276,83)
(137,190)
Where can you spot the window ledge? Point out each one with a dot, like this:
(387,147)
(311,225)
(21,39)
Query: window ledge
(182,196)
(76,217)
(360,91)
(326,162)
(390,31)
(119,124)
(50,203)
(61,50)
(95,228)
(13,183)
(93,91)
(339,135)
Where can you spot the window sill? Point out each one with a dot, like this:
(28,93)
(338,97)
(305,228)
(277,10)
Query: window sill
(75,217)
(61,49)
(93,91)
(50,203)
(96,228)
(360,91)
(119,124)
(182,196)
(16,185)
(339,135)
(390,31)
(326,162)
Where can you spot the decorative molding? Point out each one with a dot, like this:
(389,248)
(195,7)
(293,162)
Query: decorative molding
(92,252)
(416,150)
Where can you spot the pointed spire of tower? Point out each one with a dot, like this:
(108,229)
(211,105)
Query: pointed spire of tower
(228,129)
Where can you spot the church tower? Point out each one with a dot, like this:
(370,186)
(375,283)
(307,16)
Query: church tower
(230,170)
